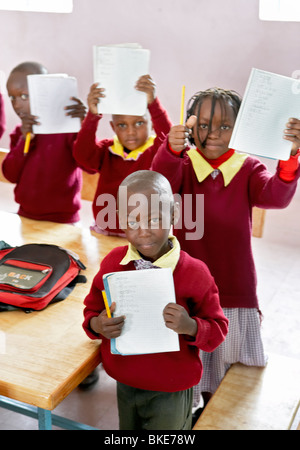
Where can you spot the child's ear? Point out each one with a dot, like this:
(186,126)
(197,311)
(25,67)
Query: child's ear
(176,213)
(122,221)
(112,125)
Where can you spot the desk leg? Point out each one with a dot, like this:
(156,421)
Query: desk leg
(45,419)
(44,416)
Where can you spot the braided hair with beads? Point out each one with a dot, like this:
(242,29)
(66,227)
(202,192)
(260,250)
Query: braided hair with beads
(226,99)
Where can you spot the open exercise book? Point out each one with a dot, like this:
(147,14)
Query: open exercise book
(141,296)
(117,68)
(48,96)
(269,101)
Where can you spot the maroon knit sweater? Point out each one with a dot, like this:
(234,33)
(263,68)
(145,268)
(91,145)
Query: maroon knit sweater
(196,291)
(226,243)
(48,180)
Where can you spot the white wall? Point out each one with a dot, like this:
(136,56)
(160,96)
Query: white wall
(195,42)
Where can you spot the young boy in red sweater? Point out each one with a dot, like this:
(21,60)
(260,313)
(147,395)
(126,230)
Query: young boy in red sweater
(132,148)
(48,179)
(155,390)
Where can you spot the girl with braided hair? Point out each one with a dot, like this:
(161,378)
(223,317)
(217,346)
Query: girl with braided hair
(231,183)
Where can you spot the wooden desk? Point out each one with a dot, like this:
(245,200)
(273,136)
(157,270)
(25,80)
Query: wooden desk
(255,398)
(44,355)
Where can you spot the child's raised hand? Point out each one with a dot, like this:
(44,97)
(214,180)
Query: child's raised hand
(147,85)
(94,97)
(176,318)
(27,122)
(77,109)
(109,327)
(179,133)
(292,133)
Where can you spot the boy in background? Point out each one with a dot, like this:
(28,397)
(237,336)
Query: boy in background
(131,149)
(48,179)
(155,390)
(2,116)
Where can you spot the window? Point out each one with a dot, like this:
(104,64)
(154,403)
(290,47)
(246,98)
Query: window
(54,6)
(279,10)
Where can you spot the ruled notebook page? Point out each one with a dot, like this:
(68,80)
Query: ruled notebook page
(141,296)
(269,101)
(117,69)
(48,95)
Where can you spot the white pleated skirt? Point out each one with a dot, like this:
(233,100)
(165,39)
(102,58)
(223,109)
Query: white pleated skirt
(242,344)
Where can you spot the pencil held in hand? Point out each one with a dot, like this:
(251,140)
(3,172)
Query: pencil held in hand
(106,304)
(27,143)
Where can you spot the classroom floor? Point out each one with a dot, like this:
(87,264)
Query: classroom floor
(277,257)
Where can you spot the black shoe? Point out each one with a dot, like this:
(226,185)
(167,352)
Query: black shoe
(196,415)
(90,380)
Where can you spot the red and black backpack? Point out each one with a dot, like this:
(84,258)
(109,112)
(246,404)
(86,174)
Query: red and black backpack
(33,275)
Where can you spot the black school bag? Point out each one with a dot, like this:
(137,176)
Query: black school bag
(33,275)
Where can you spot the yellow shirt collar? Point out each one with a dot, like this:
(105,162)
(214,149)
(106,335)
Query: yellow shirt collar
(228,168)
(118,149)
(169,259)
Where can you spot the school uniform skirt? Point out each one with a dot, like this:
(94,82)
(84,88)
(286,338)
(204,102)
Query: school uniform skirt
(242,344)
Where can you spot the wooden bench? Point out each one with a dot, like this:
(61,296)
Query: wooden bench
(89,185)
(258,221)
(3,153)
(256,398)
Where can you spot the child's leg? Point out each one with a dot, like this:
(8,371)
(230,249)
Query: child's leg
(151,410)
(243,344)
(167,410)
(128,415)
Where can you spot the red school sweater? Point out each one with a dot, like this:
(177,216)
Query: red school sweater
(226,243)
(97,156)
(196,291)
(48,179)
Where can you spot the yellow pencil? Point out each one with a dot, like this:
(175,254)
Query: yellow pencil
(182,105)
(27,143)
(106,304)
